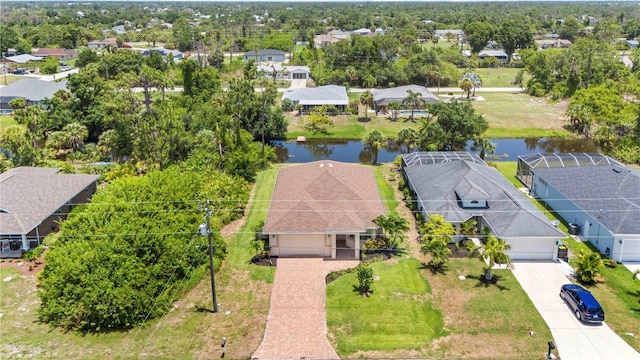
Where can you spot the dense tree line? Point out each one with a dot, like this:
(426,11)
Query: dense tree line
(125,257)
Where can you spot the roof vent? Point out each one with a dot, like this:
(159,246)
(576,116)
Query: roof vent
(321,165)
(330,165)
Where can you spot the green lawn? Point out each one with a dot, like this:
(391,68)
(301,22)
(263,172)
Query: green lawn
(8,79)
(510,115)
(398,315)
(6,120)
(498,77)
(619,294)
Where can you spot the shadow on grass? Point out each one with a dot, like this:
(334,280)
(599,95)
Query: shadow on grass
(356,289)
(202,309)
(363,119)
(442,270)
(482,281)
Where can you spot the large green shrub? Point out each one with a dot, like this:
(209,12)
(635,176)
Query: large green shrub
(125,257)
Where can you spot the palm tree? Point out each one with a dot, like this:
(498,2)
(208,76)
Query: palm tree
(439,251)
(75,134)
(588,266)
(437,228)
(469,227)
(494,251)
(466,85)
(374,141)
(484,145)
(394,107)
(413,100)
(408,137)
(393,227)
(366,99)
(369,81)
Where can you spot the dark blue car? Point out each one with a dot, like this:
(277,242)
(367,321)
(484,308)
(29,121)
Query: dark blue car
(581,301)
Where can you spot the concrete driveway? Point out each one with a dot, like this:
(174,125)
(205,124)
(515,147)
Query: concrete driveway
(573,339)
(297,320)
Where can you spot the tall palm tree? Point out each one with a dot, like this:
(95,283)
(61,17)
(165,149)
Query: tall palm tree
(374,141)
(494,251)
(366,99)
(394,107)
(413,100)
(408,137)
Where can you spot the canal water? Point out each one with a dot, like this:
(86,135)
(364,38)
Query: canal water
(352,151)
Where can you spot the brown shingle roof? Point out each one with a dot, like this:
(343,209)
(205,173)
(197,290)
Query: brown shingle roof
(324,196)
(28,195)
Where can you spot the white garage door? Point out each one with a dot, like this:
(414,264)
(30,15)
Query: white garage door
(531,248)
(292,245)
(631,250)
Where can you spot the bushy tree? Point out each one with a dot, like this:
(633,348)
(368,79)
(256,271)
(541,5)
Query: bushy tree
(393,228)
(374,141)
(365,278)
(588,266)
(456,123)
(124,258)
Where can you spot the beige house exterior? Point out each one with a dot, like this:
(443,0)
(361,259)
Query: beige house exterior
(324,208)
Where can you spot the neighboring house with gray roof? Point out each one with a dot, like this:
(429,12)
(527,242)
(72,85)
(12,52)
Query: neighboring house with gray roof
(34,91)
(329,95)
(323,208)
(284,72)
(265,55)
(32,203)
(22,59)
(596,193)
(500,55)
(462,187)
(383,97)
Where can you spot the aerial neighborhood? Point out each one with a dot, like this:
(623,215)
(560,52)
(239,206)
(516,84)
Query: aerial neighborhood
(339,180)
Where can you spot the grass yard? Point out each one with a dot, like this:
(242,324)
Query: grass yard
(397,319)
(498,77)
(8,79)
(5,121)
(619,295)
(512,115)
(534,117)
(188,331)
(485,321)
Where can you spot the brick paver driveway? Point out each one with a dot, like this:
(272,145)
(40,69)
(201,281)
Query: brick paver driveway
(297,321)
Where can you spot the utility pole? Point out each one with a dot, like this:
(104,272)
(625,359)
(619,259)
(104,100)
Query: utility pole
(205,229)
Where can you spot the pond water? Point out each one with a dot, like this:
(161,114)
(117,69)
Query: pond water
(352,151)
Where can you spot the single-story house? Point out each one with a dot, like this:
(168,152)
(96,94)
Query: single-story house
(265,55)
(362,32)
(323,208)
(60,54)
(32,203)
(500,55)
(449,33)
(101,44)
(597,194)
(460,186)
(553,43)
(22,59)
(35,91)
(284,72)
(329,95)
(331,37)
(176,54)
(383,97)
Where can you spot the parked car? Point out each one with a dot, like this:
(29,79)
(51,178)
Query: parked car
(20,71)
(581,301)
(65,68)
